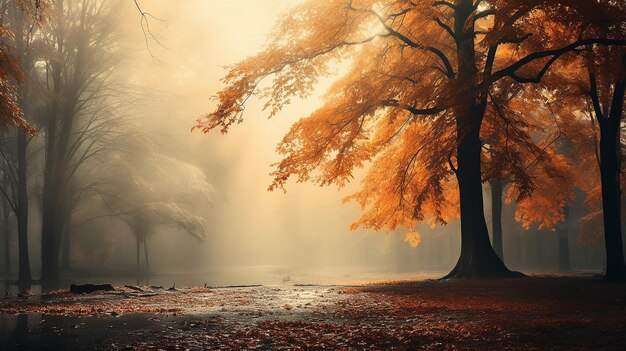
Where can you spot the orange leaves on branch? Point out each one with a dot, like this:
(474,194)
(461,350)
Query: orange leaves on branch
(413,238)
(396,111)
(11,114)
(302,46)
(545,205)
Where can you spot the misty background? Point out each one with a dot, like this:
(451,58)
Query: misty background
(164,78)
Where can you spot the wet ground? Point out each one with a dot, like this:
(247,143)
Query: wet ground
(521,314)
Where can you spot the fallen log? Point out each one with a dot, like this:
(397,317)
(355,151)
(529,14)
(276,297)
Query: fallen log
(89,288)
(131,287)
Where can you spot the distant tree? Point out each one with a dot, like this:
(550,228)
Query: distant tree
(537,163)
(6,224)
(148,190)
(413,102)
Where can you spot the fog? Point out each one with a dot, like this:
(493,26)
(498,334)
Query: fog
(254,236)
(169,67)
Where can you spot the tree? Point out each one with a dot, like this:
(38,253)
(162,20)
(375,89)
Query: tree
(78,75)
(18,21)
(593,84)
(610,123)
(6,225)
(546,163)
(147,189)
(413,103)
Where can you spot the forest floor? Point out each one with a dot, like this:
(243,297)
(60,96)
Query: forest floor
(522,314)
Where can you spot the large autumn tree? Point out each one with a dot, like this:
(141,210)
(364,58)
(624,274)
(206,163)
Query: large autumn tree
(412,103)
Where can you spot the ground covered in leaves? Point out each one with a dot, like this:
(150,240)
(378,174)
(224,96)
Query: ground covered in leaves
(520,314)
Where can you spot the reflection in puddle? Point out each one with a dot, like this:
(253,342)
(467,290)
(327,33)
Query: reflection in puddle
(15,331)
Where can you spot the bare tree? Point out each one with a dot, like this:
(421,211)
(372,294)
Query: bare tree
(78,75)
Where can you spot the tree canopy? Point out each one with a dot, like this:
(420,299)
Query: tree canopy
(423,94)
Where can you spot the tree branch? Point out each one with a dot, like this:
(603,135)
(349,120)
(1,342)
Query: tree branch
(413,109)
(444,59)
(554,54)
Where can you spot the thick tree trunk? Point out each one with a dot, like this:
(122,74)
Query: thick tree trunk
(49,237)
(623,206)
(478,259)
(563,237)
(24,275)
(55,216)
(610,173)
(496,216)
(53,169)
(610,159)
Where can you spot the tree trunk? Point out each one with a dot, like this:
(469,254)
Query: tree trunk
(49,255)
(21,203)
(145,252)
(53,169)
(7,234)
(539,261)
(137,253)
(24,275)
(623,206)
(478,259)
(496,216)
(65,249)
(610,169)
(563,236)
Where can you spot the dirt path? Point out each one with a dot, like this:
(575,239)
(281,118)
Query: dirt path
(525,314)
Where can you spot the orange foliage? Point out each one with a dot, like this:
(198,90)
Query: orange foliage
(396,110)
(10,71)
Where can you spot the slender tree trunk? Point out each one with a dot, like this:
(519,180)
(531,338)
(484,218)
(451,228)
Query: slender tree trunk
(7,234)
(65,248)
(478,259)
(496,216)
(24,275)
(563,236)
(623,206)
(21,204)
(137,253)
(145,252)
(539,249)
